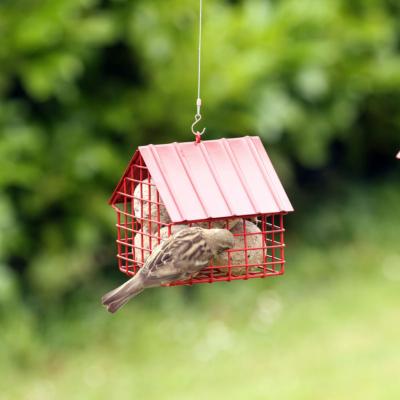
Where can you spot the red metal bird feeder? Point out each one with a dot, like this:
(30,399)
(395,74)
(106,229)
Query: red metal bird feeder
(226,183)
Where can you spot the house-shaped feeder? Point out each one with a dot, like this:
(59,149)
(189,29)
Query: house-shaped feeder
(225,183)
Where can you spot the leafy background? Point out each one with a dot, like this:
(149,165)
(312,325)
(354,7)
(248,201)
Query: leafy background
(84,82)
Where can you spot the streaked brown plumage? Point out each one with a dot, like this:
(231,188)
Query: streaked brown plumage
(180,257)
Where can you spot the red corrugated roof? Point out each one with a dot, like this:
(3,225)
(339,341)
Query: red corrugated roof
(214,178)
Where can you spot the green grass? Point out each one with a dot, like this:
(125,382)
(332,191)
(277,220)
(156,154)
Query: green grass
(331,338)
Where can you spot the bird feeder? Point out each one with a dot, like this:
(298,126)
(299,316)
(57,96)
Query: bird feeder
(225,183)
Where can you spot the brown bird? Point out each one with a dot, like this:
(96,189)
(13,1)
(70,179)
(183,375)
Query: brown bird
(180,257)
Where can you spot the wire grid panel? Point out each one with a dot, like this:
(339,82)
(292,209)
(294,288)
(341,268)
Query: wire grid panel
(143,224)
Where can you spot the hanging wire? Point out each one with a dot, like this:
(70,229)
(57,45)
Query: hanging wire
(197,116)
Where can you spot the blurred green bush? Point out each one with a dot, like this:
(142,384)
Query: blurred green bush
(83,82)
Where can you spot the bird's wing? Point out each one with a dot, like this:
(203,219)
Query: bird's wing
(168,260)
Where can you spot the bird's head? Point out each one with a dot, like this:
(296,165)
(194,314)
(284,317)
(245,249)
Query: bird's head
(219,240)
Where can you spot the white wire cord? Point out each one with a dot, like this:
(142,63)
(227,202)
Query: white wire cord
(199,50)
(197,117)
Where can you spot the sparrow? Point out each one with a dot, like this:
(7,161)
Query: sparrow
(145,240)
(182,256)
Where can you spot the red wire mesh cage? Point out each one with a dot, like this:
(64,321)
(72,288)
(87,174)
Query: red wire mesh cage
(143,221)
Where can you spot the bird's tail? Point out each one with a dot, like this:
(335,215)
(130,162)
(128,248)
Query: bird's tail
(115,299)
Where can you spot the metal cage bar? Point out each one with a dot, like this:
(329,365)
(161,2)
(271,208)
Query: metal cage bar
(142,225)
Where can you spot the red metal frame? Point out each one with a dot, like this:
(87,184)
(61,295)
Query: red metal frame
(153,226)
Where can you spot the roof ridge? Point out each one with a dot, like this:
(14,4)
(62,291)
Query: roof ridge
(202,141)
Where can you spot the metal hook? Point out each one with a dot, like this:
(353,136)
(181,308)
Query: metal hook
(197,119)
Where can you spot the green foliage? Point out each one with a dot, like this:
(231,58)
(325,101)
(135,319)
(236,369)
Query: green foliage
(83,82)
